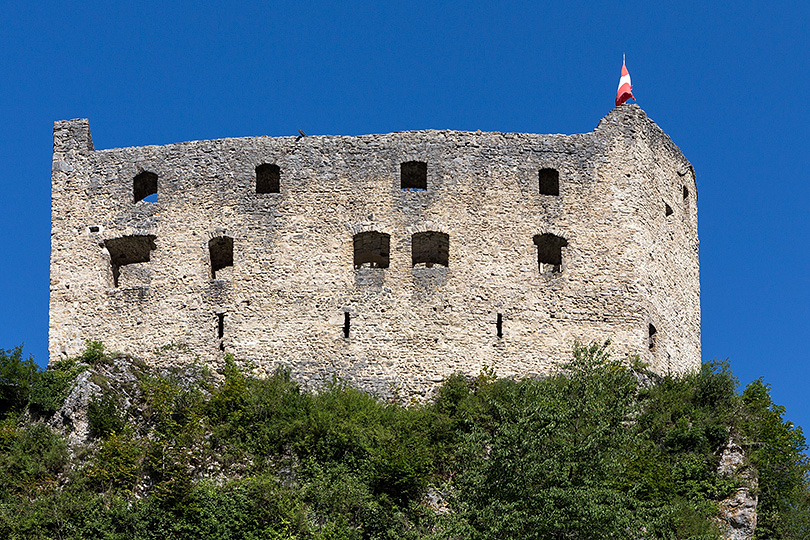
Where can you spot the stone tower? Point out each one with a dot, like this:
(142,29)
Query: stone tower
(391,260)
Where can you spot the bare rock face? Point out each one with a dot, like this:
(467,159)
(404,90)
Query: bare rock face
(738,513)
(72,417)
(437,498)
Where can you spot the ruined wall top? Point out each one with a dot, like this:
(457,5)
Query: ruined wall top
(392,260)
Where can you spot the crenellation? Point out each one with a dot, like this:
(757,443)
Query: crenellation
(392,260)
(71,136)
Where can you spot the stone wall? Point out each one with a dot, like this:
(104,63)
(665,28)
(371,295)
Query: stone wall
(302,286)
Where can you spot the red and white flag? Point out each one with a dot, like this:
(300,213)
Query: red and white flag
(625,90)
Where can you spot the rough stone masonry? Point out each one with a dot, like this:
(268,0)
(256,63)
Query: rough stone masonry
(389,260)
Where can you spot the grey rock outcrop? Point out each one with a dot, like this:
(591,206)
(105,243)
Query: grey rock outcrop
(738,513)
(71,418)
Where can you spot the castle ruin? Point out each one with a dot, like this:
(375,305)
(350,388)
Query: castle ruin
(390,260)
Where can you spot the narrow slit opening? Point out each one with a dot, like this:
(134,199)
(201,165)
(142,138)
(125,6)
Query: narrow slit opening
(651,333)
(346,324)
(499,325)
(221,330)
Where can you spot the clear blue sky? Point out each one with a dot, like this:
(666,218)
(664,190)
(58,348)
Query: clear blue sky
(729,82)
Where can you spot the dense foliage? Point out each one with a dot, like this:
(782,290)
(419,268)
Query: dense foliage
(600,451)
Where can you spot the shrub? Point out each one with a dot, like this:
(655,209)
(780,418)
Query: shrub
(229,399)
(593,453)
(50,387)
(258,416)
(103,417)
(16,376)
(94,353)
(32,459)
(778,453)
(173,400)
(118,463)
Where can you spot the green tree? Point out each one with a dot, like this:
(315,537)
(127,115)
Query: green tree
(16,377)
(777,451)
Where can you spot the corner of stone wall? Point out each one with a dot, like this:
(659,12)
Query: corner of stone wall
(622,116)
(72,146)
(71,136)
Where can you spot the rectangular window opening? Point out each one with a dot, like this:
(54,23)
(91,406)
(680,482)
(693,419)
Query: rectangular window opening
(549,252)
(499,325)
(346,324)
(413,175)
(429,248)
(145,187)
(371,250)
(129,250)
(549,182)
(268,178)
(220,251)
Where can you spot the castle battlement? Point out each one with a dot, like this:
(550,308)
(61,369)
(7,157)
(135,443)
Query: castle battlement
(391,260)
